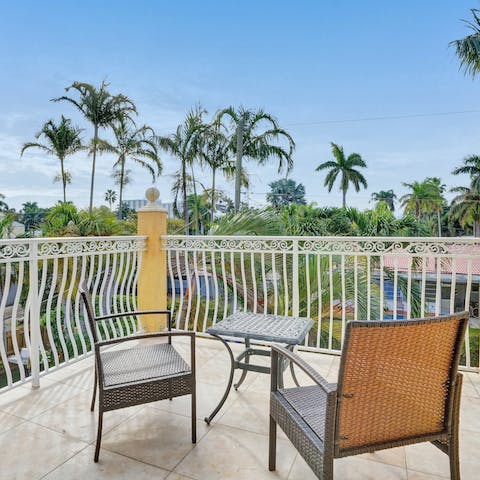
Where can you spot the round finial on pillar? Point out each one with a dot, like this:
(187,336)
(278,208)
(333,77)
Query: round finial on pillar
(152,195)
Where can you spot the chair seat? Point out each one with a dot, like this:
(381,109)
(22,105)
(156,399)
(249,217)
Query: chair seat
(141,363)
(310,404)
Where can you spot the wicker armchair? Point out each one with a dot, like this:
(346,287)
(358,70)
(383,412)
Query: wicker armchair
(139,374)
(397,385)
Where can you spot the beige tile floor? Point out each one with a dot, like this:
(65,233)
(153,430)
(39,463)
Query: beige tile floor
(49,433)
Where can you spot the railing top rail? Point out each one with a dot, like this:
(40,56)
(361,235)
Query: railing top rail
(463,240)
(13,241)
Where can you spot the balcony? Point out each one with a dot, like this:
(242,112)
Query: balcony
(48,432)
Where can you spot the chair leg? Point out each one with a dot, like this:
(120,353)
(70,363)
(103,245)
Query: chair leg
(99,434)
(454,461)
(92,405)
(272,445)
(453,444)
(194,416)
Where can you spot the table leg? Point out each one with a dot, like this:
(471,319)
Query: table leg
(230,381)
(244,372)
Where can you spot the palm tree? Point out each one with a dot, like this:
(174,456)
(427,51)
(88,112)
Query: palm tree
(387,196)
(62,140)
(468,48)
(110,197)
(466,207)
(438,190)
(214,152)
(471,167)
(186,146)
(256,135)
(138,144)
(101,109)
(425,198)
(345,167)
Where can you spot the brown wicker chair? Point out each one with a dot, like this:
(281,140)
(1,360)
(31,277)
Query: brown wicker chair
(142,373)
(397,385)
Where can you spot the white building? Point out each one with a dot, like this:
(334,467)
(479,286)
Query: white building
(137,204)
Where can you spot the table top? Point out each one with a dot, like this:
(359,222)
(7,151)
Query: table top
(259,326)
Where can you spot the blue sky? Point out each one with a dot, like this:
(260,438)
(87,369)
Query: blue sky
(309,63)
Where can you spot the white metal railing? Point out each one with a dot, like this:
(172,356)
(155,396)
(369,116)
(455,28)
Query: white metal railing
(330,279)
(42,320)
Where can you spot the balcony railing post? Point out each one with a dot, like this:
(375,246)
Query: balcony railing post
(34,315)
(152,279)
(295,279)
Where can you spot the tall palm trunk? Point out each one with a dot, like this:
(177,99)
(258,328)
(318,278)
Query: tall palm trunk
(439,223)
(344,198)
(238,162)
(195,196)
(184,195)
(92,182)
(64,180)
(212,213)
(120,193)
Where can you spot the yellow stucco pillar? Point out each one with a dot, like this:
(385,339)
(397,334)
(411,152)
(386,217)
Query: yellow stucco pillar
(152,279)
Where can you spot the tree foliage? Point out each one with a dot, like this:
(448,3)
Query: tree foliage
(468,48)
(256,135)
(62,140)
(346,168)
(101,109)
(285,192)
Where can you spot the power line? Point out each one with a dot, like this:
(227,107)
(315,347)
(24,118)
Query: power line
(368,119)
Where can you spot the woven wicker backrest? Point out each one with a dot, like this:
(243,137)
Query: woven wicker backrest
(395,380)
(87,300)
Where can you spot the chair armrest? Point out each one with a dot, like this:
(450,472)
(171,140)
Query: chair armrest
(139,312)
(277,350)
(145,336)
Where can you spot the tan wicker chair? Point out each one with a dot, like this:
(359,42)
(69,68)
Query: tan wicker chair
(397,385)
(139,374)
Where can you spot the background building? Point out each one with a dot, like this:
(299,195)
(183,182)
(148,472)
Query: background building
(137,204)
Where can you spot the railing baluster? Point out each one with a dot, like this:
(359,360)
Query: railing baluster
(3,327)
(275,285)
(295,280)
(254,282)
(225,284)
(409,287)
(468,292)
(197,288)
(382,287)
(344,299)
(330,279)
(423,287)
(215,284)
(180,284)
(206,280)
(319,294)
(453,285)
(264,283)
(234,280)
(438,288)
(285,284)
(244,281)
(395,288)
